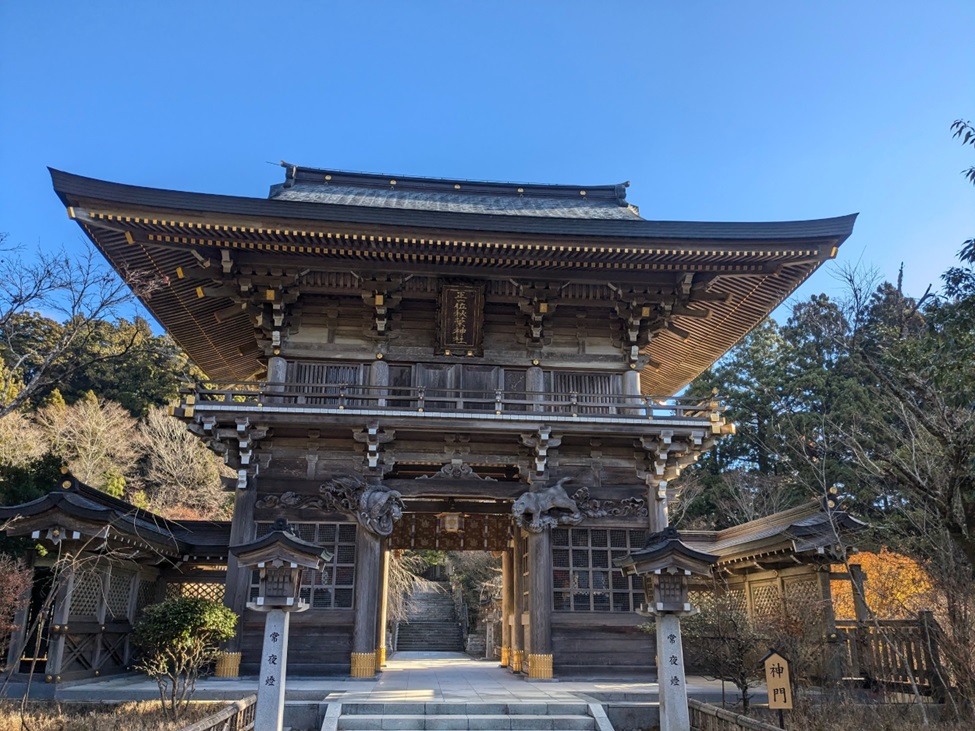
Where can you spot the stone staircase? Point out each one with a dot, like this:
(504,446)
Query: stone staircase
(483,716)
(431,625)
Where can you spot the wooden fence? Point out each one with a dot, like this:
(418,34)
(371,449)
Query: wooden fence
(894,653)
(237,716)
(705,717)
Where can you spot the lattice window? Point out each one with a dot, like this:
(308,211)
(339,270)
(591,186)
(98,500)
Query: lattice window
(144,596)
(211,590)
(119,592)
(736,599)
(86,593)
(765,599)
(583,575)
(333,586)
(700,598)
(802,596)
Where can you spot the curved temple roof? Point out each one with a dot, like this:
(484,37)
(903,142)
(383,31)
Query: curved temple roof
(321,220)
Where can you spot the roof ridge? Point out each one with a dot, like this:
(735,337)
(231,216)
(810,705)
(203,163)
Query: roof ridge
(790,514)
(297,174)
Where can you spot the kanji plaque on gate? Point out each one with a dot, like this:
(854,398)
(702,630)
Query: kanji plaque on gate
(460,320)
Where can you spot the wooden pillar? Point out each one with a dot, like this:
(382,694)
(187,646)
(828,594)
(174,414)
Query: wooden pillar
(857,579)
(930,636)
(22,620)
(65,580)
(535,384)
(517,605)
(631,389)
(540,624)
(631,382)
(277,369)
(368,571)
(381,616)
(238,583)
(379,377)
(659,518)
(834,662)
(507,599)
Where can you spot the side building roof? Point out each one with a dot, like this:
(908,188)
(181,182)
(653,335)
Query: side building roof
(77,512)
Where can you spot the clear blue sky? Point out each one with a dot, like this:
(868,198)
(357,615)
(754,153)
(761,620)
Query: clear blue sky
(715,111)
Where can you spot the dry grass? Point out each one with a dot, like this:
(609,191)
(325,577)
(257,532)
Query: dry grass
(143,716)
(845,715)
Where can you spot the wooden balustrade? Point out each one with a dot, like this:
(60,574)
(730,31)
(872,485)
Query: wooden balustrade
(426,399)
(237,716)
(705,717)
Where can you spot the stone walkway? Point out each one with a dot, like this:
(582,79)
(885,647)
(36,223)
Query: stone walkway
(422,677)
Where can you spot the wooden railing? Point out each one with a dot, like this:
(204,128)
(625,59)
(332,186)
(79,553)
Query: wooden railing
(705,717)
(897,653)
(340,396)
(237,716)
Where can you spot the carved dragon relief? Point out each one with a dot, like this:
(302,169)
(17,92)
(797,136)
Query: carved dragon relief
(374,506)
(553,507)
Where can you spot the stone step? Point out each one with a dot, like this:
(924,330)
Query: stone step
(564,708)
(452,722)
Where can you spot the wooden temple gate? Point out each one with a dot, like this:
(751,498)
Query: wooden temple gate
(382,351)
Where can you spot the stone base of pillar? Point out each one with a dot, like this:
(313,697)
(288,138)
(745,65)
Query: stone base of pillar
(505,656)
(517,658)
(363,665)
(380,656)
(540,667)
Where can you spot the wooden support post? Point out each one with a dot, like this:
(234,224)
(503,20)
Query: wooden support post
(540,593)
(368,570)
(535,385)
(507,600)
(835,662)
(659,519)
(381,615)
(242,530)
(631,387)
(277,369)
(517,604)
(19,636)
(857,579)
(379,377)
(58,626)
(930,636)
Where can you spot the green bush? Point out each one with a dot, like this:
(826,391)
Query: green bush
(178,639)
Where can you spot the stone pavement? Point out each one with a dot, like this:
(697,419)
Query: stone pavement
(408,677)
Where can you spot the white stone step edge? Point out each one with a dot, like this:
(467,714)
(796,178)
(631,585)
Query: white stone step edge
(334,712)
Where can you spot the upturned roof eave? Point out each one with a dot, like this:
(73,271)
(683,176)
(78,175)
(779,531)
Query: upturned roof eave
(71,188)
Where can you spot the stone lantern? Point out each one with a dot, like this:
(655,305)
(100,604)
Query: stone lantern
(280,557)
(666,564)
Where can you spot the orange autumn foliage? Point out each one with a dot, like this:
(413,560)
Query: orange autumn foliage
(896,586)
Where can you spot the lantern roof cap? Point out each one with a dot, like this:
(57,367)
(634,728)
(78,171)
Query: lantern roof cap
(281,544)
(665,551)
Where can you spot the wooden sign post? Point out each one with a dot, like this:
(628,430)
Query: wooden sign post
(778,683)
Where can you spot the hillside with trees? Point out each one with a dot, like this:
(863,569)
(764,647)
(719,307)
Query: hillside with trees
(90,393)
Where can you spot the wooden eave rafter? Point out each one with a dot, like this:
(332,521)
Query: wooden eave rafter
(749,271)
